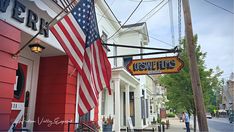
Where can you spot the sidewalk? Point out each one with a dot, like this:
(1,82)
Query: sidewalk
(175,125)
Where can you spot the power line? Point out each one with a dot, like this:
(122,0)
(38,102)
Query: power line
(151,10)
(143,1)
(154,38)
(157,11)
(179,20)
(106,18)
(149,18)
(171,22)
(160,41)
(126,20)
(146,20)
(105,11)
(218,6)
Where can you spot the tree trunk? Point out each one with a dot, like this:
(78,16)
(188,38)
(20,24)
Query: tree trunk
(195,120)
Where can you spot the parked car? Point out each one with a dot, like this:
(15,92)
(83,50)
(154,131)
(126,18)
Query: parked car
(231,117)
(208,115)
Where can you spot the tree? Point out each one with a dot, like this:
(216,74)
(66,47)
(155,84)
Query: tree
(179,88)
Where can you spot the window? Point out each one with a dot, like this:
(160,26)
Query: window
(104,37)
(147,108)
(151,110)
(104,40)
(126,61)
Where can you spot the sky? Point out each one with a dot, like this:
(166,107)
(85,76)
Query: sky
(214,26)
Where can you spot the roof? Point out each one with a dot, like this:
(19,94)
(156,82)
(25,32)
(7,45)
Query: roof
(112,12)
(133,25)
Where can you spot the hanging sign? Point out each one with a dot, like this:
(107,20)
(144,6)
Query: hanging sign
(163,65)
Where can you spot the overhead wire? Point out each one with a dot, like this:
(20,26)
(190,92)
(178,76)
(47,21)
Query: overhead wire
(103,16)
(105,12)
(157,10)
(140,32)
(154,38)
(218,6)
(171,22)
(148,19)
(179,25)
(151,11)
(179,20)
(143,0)
(126,20)
(147,35)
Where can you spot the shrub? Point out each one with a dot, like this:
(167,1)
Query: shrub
(159,120)
(170,115)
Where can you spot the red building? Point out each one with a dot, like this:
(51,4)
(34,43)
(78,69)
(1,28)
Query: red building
(37,91)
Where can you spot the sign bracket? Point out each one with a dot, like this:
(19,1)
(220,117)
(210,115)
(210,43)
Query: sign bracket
(162,50)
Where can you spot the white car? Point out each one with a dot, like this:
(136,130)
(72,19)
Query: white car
(208,115)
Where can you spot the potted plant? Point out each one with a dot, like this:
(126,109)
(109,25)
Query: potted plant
(107,124)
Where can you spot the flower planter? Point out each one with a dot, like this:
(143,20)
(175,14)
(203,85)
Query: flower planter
(107,128)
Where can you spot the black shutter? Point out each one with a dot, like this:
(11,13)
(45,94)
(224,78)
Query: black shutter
(142,107)
(147,109)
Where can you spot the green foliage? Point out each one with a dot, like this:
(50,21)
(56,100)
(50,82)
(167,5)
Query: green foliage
(170,115)
(179,88)
(159,120)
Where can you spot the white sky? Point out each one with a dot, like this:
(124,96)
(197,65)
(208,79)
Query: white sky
(214,27)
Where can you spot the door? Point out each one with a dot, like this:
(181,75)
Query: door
(20,101)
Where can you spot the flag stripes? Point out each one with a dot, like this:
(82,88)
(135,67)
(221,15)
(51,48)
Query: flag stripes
(78,34)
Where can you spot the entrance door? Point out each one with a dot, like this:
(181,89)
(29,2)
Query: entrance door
(20,101)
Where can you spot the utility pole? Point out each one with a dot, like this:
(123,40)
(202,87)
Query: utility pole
(193,69)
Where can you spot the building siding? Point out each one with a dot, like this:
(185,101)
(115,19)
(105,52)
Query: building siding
(10,41)
(56,95)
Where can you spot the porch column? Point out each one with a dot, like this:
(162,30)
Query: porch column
(117,105)
(127,103)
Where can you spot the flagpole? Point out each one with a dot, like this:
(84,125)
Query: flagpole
(16,54)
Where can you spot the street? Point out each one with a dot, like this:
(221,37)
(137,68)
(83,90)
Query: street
(220,125)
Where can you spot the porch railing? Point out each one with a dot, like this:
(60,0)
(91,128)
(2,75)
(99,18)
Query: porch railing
(90,126)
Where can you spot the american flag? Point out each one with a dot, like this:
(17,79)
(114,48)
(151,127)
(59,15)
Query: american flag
(78,34)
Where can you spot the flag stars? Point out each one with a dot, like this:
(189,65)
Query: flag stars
(85,17)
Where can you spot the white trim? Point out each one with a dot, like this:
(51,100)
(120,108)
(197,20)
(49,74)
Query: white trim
(32,62)
(77,99)
(19,116)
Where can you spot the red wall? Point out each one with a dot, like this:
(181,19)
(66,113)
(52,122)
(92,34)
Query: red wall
(9,44)
(56,94)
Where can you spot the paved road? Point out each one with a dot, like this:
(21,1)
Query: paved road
(214,124)
(220,125)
